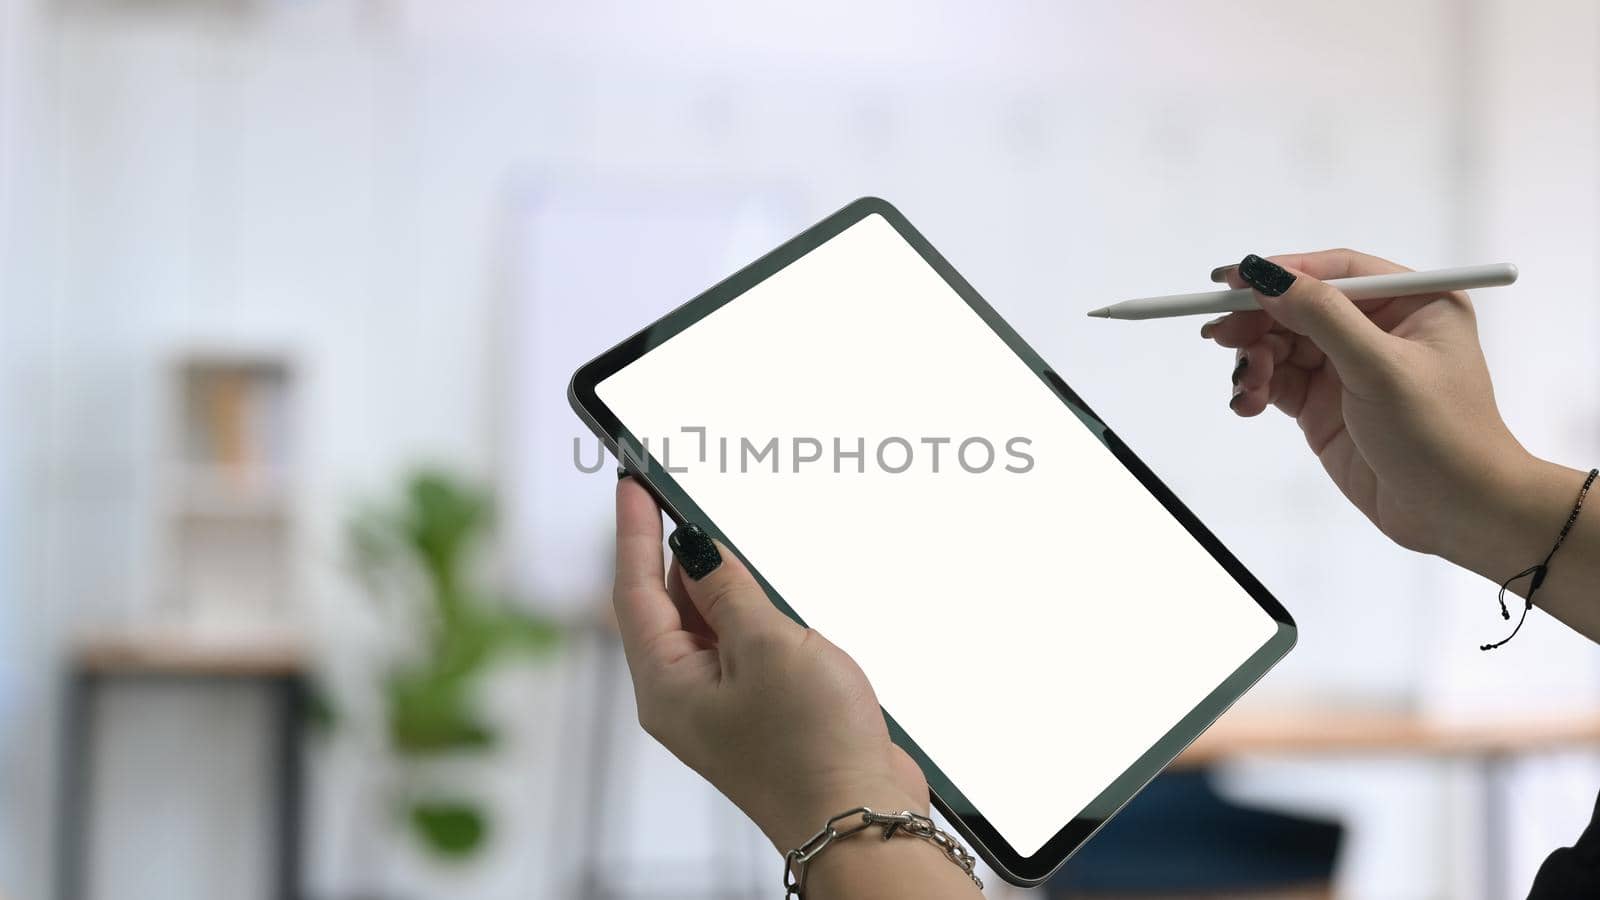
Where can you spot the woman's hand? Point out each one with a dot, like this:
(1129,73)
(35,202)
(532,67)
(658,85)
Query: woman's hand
(771,713)
(1393,396)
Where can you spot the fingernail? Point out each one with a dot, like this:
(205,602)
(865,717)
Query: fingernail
(621,473)
(696,552)
(1238,370)
(1207,328)
(1265,276)
(1220,273)
(1233,402)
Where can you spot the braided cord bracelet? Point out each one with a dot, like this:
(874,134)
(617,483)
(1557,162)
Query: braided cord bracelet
(1539,570)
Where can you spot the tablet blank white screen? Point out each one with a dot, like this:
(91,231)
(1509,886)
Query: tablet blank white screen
(1034,632)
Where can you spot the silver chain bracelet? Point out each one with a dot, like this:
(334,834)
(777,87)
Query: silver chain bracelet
(798,860)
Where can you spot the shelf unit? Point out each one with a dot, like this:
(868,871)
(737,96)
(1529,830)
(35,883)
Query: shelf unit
(226,503)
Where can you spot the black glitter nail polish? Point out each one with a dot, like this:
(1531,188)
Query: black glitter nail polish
(621,473)
(1233,402)
(1265,276)
(1238,370)
(695,552)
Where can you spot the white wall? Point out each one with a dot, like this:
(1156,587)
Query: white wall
(335,177)
(26,236)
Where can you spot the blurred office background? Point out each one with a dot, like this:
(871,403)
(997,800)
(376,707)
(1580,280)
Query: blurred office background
(262,261)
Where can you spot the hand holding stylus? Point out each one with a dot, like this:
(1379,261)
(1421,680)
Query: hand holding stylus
(1394,398)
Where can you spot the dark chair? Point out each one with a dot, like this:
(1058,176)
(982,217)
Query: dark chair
(1179,838)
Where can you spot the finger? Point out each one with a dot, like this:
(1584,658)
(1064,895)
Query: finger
(1287,390)
(1339,263)
(1253,365)
(1329,264)
(1282,346)
(1303,352)
(722,589)
(1252,369)
(1325,265)
(1247,403)
(1286,346)
(1237,329)
(1391,314)
(1362,352)
(644,610)
(692,621)
(1321,264)
(1268,374)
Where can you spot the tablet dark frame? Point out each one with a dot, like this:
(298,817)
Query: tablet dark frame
(1011,865)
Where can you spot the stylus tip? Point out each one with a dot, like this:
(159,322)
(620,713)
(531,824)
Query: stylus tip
(1103,312)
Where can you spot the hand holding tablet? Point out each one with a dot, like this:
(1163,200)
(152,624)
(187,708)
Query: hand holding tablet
(774,715)
(704,645)
(889,460)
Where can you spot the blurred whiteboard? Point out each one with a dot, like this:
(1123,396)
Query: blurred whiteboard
(590,264)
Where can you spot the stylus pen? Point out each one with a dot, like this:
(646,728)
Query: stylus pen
(1361,287)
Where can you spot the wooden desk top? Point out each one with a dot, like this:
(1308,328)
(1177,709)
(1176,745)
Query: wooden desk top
(1239,733)
(188,653)
(1376,733)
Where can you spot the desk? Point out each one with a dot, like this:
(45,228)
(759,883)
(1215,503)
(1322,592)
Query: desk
(1348,733)
(1487,743)
(277,662)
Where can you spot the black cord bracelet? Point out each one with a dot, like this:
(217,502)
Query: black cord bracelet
(1540,570)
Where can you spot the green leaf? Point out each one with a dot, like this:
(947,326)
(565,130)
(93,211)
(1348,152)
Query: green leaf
(442,518)
(528,634)
(429,713)
(450,829)
(430,532)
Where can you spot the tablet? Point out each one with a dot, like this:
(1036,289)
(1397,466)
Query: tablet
(1045,624)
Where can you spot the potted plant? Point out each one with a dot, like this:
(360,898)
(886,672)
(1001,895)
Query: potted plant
(417,555)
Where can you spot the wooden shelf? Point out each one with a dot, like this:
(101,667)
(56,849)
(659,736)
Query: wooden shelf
(189,651)
(219,497)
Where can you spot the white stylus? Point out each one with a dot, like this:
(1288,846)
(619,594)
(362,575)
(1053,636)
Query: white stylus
(1361,287)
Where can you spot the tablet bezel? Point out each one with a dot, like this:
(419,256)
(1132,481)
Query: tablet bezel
(962,814)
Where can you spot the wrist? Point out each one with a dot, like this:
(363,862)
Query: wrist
(1512,518)
(922,861)
(803,816)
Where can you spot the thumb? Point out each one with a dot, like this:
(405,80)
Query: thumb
(1358,348)
(721,588)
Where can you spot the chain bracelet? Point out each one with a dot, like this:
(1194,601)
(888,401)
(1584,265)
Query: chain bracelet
(798,860)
